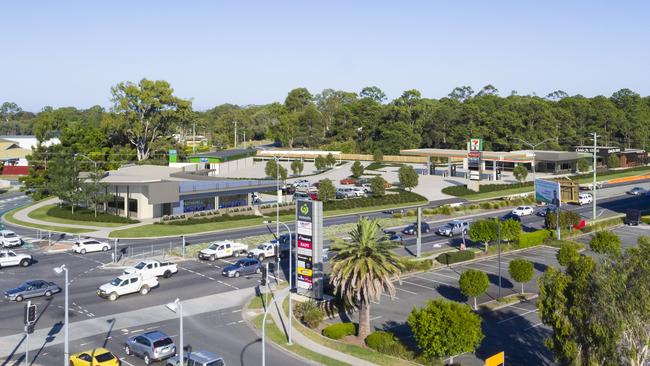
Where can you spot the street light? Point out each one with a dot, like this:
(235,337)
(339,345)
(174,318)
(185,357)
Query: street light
(66,352)
(290,272)
(177,308)
(499,255)
(533,146)
(266,312)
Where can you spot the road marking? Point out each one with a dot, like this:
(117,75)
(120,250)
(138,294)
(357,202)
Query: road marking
(428,279)
(440,274)
(517,316)
(407,291)
(533,326)
(227,284)
(236,311)
(375,318)
(482,264)
(418,285)
(126,362)
(150,328)
(137,330)
(388,296)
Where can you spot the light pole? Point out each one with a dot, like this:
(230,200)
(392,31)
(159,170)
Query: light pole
(534,146)
(66,352)
(290,274)
(266,312)
(499,255)
(593,213)
(177,308)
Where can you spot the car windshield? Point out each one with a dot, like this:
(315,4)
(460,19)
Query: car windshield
(23,286)
(140,265)
(239,263)
(162,342)
(213,246)
(104,357)
(215,363)
(261,246)
(10,235)
(116,282)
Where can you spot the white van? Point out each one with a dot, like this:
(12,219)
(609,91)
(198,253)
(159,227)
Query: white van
(585,199)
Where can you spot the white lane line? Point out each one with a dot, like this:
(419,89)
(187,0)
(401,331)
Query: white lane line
(440,274)
(418,285)
(237,311)
(517,316)
(533,326)
(432,280)
(407,291)
(375,318)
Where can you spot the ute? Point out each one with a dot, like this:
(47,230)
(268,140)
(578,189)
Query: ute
(223,249)
(153,268)
(127,284)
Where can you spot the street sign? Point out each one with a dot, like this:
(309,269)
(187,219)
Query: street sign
(309,248)
(496,360)
(173,156)
(475,144)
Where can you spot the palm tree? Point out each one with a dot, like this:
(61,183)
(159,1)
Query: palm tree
(363,269)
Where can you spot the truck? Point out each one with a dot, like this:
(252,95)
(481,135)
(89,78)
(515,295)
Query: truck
(223,249)
(9,258)
(264,250)
(126,284)
(153,268)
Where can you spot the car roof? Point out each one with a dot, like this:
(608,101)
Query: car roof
(95,351)
(204,356)
(6,232)
(155,335)
(34,281)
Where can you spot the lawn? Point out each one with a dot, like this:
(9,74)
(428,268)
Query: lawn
(9,216)
(497,194)
(41,213)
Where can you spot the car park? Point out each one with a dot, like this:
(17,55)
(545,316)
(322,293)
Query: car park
(153,268)
(32,288)
(222,249)
(343,193)
(413,228)
(637,191)
(9,239)
(9,258)
(585,199)
(150,346)
(455,227)
(126,284)
(244,266)
(94,357)
(197,358)
(523,211)
(90,245)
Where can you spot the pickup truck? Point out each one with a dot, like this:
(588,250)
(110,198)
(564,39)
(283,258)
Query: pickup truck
(223,249)
(153,268)
(127,284)
(264,250)
(9,258)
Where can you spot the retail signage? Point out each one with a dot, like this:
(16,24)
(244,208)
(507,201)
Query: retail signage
(475,144)
(172,156)
(309,248)
(599,150)
(547,191)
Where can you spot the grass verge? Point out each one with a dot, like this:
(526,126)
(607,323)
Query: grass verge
(42,214)
(9,216)
(497,194)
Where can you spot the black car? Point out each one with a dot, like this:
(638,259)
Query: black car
(413,228)
(510,216)
(243,266)
(550,209)
(394,211)
(392,236)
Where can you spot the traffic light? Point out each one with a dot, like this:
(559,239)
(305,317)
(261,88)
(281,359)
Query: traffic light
(30,314)
(264,275)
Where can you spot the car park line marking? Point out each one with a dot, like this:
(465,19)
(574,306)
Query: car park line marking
(407,291)
(236,311)
(388,296)
(432,280)
(534,326)
(418,285)
(375,318)
(440,274)
(517,316)
(124,361)
(481,264)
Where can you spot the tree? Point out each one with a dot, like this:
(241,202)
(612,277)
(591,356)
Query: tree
(9,110)
(582,165)
(378,186)
(283,173)
(378,156)
(484,231)
(606,242)
(374,93)
(473,283)
(271,169)
(64,181)
(521,271)
(298,99)
(510,230)
(408,177)
(613,161)
(445,328)
(567,254)
(520,173)
(363,269)
(146,112)
(461,93)
(93,190)
(330,160)
(326,190)
(297,167)
(567,218)
(320,163)
(357,169)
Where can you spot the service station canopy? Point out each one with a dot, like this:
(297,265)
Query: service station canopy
(513,156)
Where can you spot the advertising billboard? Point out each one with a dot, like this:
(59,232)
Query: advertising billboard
(309,223)
(547,191)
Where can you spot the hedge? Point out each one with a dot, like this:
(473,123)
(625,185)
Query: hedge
(84,214)
(386,343)
(455,257)
(483,188)
(340,330)
(411,265)
(205,220)
(527,240)
(389,199)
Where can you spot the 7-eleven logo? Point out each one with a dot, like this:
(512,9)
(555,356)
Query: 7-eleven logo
(475,144)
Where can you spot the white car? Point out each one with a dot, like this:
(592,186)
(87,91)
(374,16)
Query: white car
(9,258)
(585,198)
(127,284)
(153,268)
(523,211)
(9,239)
(90,245)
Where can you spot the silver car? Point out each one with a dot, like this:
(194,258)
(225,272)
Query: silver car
(150,346)
(32,288)
(198,358)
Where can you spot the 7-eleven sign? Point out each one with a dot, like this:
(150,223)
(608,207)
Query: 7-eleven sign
(475,145)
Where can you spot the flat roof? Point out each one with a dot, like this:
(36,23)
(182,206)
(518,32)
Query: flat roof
(222,153)
(519,157)
(142,174)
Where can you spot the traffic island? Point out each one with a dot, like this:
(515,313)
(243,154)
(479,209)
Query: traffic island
(505,301)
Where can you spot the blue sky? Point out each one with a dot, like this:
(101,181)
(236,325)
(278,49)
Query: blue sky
(69,53)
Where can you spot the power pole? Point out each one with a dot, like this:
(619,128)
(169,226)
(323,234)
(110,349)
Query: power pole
(593,213)
(194,137)
(235,134)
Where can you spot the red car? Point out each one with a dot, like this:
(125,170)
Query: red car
(349,181)
(313,196)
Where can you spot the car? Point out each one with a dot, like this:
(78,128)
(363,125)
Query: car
(286,190)
(367,188)
(90,245)
(94,357)
(348,181)
(394,211)
(342,193)
(262,251)
(32,288)
(244,266)
(222,249)
(9,258)
(585,198)
(392,236)
(127,284)
(413,228)
(455,227)
(523,211)
(9,239)
(637,191)
(632,217)
(150,346)
(197,358)
(510,216)
(301,196)
(359,191)
(300,182)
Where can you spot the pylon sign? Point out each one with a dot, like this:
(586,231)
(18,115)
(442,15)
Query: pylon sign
(475,144)
(309,248)
(496,360)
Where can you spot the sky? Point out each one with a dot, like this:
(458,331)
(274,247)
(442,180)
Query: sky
(70,53)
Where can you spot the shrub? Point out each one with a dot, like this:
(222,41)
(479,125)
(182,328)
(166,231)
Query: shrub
(386,343)
(389,199)
(411,265)
(411,213)
(309,313)
(567,218)
(605,242)
(445,210)
(527,240)
(340,330)
(460,191)
(567,254)
(455,257)
(205,220)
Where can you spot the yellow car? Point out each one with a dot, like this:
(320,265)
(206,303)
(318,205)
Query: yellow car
(94,357)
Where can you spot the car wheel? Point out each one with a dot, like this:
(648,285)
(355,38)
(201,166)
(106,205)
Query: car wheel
(212,258)
(146,359)
(113,296)
(48,293)
(236,274)
(19,298)
(167,274)
(25,262)
(104,249)
(235,253)
(127,350)
(82,251)
(144,290)
(261,257)
(258,270)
